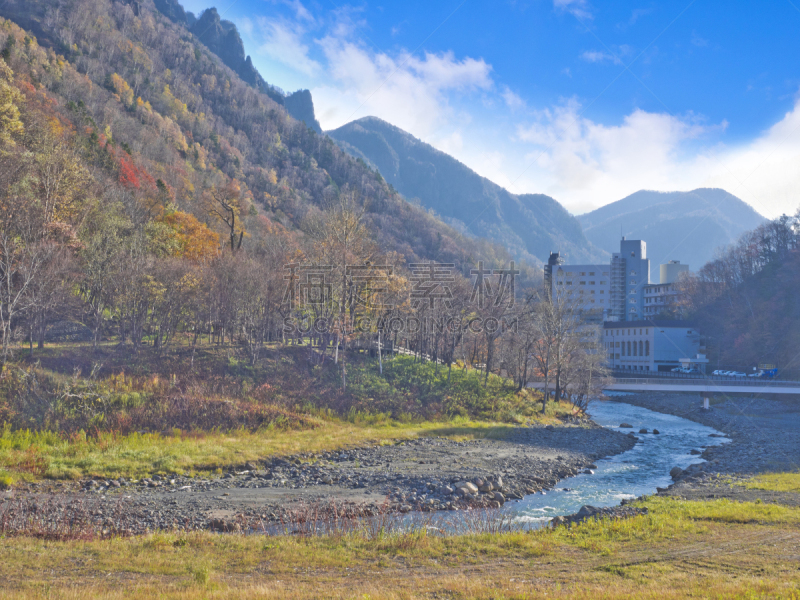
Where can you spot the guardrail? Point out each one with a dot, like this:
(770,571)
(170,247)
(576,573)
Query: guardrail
(705,381)
(720,381)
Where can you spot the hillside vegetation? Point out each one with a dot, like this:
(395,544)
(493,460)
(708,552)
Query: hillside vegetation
(746,299)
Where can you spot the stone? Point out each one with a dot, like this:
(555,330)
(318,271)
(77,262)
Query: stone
(223,525)
(405,508)
(625,426)
(550,428)
(695,452)
(643,430)
(556,521)
(486,487)
(498,497)
(468,487)
(587,511)
(675,472)
(656,431)
(588,472)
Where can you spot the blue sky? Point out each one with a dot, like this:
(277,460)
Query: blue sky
(584,101)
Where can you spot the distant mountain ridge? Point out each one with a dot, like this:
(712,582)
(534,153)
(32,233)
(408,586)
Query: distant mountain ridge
(223,39)
(686,226)
(529,225)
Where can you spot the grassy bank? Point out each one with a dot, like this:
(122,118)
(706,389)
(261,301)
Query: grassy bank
(775,482)
(26,455)
(699,549)
(67,417)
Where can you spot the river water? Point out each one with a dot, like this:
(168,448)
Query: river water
(631,474)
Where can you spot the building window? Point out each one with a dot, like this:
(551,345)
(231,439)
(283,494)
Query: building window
(591,274)
(634,349)
(647,348)
(583,274)
(629,348)
(641,348)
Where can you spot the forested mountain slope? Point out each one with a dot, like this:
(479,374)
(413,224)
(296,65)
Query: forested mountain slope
(145,188)
(147,87)
(529,225)
(746,301)
(223,39)
(684,226)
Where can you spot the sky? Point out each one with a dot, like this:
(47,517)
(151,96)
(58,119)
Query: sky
(585,101)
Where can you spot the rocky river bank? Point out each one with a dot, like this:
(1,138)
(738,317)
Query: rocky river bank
(427,474)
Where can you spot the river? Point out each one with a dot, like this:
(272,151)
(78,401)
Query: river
(634,473)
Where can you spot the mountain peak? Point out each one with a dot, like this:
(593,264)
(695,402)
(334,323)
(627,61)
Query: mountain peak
(529,225)
(688,226)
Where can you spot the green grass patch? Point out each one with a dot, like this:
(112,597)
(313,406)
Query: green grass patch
(31,454)
(774,482)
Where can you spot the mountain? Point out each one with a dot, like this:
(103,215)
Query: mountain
(529,225)
(223,39)
(684,226)
(187,130)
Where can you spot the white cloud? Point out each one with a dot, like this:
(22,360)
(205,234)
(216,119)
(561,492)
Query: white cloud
(246,25)
(512,100)
(283,43)
(578,8)
(585,164)
(597,56)
(410,92)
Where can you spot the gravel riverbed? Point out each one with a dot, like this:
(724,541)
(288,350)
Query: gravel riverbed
(427,474)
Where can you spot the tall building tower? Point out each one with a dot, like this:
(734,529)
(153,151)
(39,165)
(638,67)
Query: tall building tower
(630,273)
(554,260)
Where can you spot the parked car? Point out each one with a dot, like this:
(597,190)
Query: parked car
(758,374)
(677,370)
(719,372)
(737,374)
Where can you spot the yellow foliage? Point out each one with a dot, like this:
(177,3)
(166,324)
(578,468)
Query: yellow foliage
(200,156)
(122,89)
(194,240)
(10,99)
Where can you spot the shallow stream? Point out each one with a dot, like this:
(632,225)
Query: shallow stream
(634,473)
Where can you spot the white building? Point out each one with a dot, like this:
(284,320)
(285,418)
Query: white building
(650,345)
(589,284)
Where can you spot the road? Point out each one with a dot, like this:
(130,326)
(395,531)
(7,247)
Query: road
(708,386)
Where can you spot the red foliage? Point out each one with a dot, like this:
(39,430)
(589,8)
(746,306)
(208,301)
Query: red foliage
(128,173)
